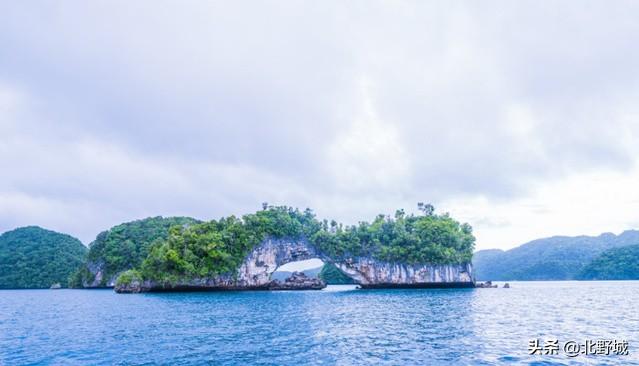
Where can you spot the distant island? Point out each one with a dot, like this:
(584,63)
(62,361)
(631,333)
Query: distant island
(32,257)
(603,257)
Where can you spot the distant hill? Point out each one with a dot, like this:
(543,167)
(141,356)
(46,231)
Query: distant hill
(32,257)
(555,258)
(282,275)
(333,276)
(121,248)
(328,273)
(614,264)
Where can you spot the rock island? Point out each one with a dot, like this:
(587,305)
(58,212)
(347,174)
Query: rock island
(423,251)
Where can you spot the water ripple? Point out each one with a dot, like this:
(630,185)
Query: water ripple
(336,327)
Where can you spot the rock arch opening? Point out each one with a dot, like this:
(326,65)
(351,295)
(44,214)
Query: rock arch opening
(283,255)
(295,275)
(310,267)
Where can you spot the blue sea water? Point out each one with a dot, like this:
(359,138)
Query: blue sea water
(336,326)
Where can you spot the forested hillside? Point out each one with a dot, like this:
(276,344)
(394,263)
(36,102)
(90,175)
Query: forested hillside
(555,258)
(123,247)
(333,276)
(32,257)
(614,264)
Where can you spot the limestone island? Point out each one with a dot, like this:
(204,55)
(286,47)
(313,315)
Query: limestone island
(402,251)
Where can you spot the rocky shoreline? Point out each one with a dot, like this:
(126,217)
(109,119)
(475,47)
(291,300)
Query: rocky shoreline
(489,284)
(298,281)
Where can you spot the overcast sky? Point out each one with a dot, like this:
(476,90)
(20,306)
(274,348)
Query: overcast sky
(521,118)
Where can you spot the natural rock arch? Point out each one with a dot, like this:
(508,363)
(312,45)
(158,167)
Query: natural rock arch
(255,271)
(263,261)
(269,255)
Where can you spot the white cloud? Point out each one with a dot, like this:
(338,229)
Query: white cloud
(506,115)
(367,153)
(582,204)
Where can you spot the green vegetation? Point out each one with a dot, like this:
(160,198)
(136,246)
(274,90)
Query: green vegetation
(614,264)
(124,247)
(555,258)
(405,238)
(32,257)
(333,276)
(219,247)
(128,276)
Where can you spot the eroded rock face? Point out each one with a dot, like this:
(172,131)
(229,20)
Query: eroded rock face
(271,254)
(136,286)
(255,272)
(372,273)
(97,269)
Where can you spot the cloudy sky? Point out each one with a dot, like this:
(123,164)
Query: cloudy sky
(520,118)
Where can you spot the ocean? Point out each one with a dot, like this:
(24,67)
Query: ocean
(340,325)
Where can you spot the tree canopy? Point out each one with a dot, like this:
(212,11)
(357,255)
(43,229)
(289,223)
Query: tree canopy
(32,257)
(125,246)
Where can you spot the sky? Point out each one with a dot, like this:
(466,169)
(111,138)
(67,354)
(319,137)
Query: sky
(520,118)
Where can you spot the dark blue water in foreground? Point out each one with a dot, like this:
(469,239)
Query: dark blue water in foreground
(344,327)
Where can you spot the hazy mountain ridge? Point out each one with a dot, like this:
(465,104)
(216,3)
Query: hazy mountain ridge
(554,258)
(620,263)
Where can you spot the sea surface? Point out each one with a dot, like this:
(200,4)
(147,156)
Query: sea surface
(336,326)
